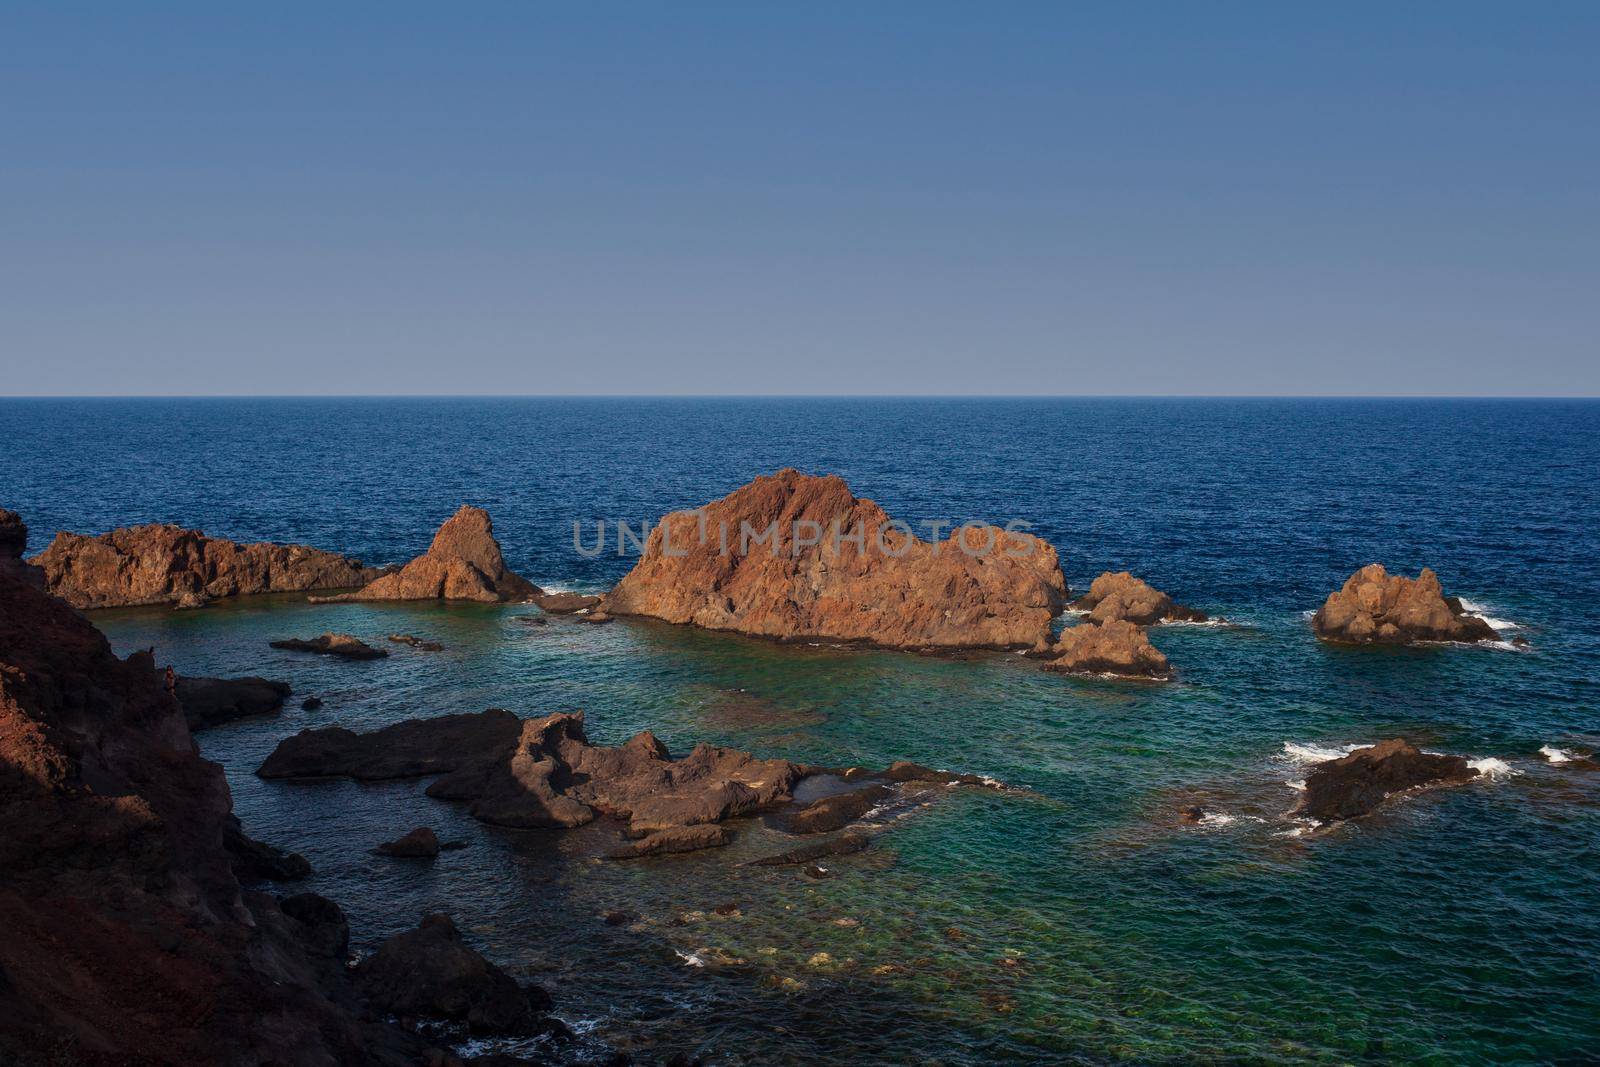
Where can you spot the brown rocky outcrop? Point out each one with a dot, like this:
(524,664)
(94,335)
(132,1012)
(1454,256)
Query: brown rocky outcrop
(1375,607)
(565,603)
(1354,785)
(462,563)
(1120,595)
(979,588)
(421,644)
(163,564)
(1116,647)
(126,937)
(345,646)
(210,702)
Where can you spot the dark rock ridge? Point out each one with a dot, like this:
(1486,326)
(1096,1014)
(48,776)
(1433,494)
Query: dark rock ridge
(412,641)
(1375,607)
(13,535)
(124,935)
(1000,591)
(565,603)
(462,563)
(430,971)
(210,702)
(257,861)
(1120,595)
(162,564)
(345,646)
(543,773)
(421,843)
(1116,647)
(1354,785)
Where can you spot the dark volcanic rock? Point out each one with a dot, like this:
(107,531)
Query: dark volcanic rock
(324,930)
(257,861)
(431,972)
(311,704)
(1122,596)
(673,839)
(843,845)
(159,564)
(421,843)
(124,936)
(1354,785)
(13,535)
(209,702)
(1116,647)
(981,588)
(834,812)
(1375,607)
(462,563)
(344,646)
(405,750)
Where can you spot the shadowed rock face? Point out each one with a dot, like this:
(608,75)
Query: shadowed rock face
(421,843)
(13,535)
(1114,647)
(126,938)
(431,971)
(462,563)
(897,591)
(407,749)
(1375,607)
(1122,596)
(210,702)
(160,564)
(1354,785)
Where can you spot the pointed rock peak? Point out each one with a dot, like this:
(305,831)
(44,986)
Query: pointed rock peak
(468,535)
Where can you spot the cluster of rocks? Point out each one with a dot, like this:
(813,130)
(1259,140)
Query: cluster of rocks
(544,773)
(1113,638)
(1375,607)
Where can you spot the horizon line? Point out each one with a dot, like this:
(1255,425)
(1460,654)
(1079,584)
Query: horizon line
(800,396)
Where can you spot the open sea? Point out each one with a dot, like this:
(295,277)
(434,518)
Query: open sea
(1081,923)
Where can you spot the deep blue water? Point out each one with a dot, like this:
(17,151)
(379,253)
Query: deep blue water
(1459,926)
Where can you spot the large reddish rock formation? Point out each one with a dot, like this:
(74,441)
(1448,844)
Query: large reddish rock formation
(126,937)
(1116,647)
(1375,607)
(462,563)
(161,564)
(1354,785)
(979,588)
(1120,595)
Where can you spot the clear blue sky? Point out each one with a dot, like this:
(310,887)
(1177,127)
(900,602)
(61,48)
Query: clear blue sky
(1196,198)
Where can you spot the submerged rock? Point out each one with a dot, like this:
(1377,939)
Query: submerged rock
(345,646)
(845,844)
(1116,647)
(162,564)
(311,704)
(982,588)
(1354,785)
(1122,596)
(421,843)
(674,839)
(209,702)
(834,812)
(415,642)
(462,563)
(1375,607)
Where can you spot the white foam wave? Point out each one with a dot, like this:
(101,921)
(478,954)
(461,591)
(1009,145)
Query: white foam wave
(1217,818)
(1480,611)
(1297,753)
(689,959)
(1556,755)
(1297,784)
(1490,767)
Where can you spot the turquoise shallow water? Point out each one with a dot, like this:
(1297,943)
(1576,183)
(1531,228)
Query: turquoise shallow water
(1077,923)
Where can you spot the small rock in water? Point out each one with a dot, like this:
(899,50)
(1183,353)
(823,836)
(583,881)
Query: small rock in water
(820,959)
(311,704)
(816,870)
(416,642)
(619,918)
(730,908)
(345,646)
(1192,815)
(421,843)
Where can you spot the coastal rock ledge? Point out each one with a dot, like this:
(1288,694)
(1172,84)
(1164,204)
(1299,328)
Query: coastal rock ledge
(1375,607)
(793,556)
(164,564)
(1354,785)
